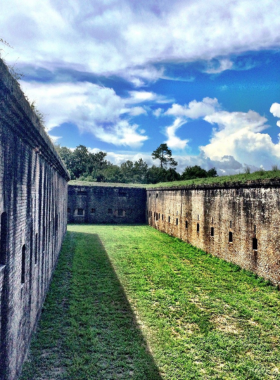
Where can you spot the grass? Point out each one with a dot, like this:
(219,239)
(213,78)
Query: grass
(131,302)
(241,178)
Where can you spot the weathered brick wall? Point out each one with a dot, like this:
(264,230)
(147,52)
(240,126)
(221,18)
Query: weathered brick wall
(100,204)
(243,219)
(33,217)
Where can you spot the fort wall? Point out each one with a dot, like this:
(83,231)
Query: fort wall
(33,218)
(100,204)
(239,223)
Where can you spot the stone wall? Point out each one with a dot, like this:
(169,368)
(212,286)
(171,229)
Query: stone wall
(100,204)
(238,223)
(33,217)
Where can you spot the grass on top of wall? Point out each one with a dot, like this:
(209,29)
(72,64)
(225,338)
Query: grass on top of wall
(130,302)
(242,178)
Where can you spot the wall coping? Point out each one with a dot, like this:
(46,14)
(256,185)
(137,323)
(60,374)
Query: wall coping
(259,183)
(24,121)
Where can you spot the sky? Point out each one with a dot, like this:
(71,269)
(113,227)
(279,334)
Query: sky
(124,76)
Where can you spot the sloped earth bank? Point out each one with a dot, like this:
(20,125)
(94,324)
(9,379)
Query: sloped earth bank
(129,302)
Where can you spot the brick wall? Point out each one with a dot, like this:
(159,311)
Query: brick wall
(100,204)
(238,223)
(33,217)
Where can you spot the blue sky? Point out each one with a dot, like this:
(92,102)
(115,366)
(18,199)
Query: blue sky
(125,76)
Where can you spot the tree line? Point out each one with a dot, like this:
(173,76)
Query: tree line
(87,166)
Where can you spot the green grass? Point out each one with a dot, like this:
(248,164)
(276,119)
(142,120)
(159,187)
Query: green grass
(241,178)
(131,302)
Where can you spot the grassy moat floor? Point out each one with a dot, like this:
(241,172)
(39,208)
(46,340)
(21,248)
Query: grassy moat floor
(129,302)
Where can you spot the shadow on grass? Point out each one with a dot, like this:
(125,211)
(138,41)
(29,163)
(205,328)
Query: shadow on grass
(88,329)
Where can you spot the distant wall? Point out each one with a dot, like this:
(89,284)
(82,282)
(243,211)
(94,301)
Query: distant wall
(33,217)
(238,223)
(99,204)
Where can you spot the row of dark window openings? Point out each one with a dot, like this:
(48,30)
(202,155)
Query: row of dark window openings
(212,230)
(81,211)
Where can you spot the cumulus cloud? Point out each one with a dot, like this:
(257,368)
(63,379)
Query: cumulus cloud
(275,110)
(173,141)
(194,109)
(238,134)
(92,108)
(112,36)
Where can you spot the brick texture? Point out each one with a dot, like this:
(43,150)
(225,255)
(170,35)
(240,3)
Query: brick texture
(100,204)
(238,223)
(33,218)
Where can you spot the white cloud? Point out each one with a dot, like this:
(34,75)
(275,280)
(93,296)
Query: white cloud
(92,108)
(194,109)
(275,110)
(158,112)
(224,64)
(112,36)
(146,96)
(173,141)
(239,135)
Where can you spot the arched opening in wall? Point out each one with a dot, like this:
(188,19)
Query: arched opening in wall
(177,221)
(187,224)
(162,217)
(255,244)
(80,211)
(3,237)
(230,239)
(197,227)
(212,231)
(36,249)
(156,216)
(23,258)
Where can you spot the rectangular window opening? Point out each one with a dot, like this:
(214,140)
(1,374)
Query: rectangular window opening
(187,224)
(23,251)
(80,211)
(212,231)
(3,237)
(169,219)
(197,227)
(255,244)
(230,240)
(162,217)
(36,248)
(177,221)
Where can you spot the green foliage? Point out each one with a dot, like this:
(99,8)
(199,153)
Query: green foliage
(164,155)
(242,178)
(192,172)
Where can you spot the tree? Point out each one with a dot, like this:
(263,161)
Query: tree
(164,154)
(192,172)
